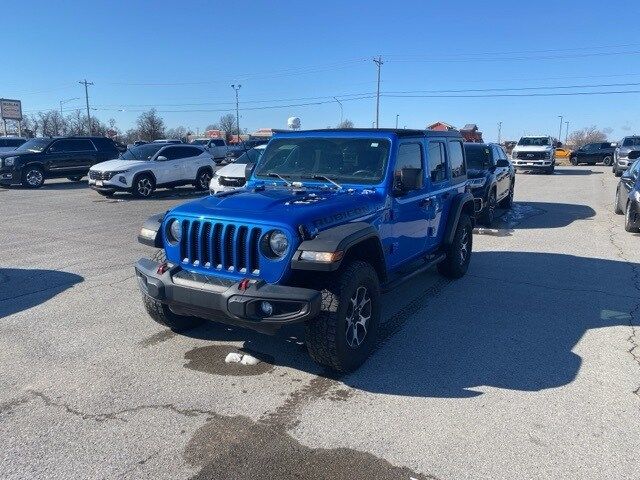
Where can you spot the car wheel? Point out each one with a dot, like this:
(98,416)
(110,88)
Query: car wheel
(550,170)
(616,206)
(630,219)
(489,211)
(507,202)
(203,179)
(33,177)
(617,172)
(607,160)
(574,161)
(345,332)
(458,254)
(143,186)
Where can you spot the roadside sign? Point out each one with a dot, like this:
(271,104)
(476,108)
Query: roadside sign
(10,109)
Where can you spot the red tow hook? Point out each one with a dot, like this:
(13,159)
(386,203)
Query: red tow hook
(243,285)
(163,267)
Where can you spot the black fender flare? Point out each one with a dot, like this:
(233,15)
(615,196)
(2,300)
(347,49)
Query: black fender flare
(40,165)
(150,232)
(340,238)
(460,203)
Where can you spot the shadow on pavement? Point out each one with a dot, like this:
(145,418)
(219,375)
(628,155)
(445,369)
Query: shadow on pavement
(576,171)
(511,323)
(543,215)
(21,289)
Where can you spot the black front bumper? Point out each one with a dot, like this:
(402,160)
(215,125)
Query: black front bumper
(10,176)
(217,299)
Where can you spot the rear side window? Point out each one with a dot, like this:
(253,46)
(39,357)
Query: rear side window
(437,162)
(72,145)
(456,160)
(174,153)
(104,144)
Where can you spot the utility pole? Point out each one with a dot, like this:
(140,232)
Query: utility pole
(397,116)
(378,61)
(237,88)
(341,110)
(566,133)
(86,95)
(561,122)
(499,132)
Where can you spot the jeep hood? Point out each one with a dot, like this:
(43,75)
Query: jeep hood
(317,209)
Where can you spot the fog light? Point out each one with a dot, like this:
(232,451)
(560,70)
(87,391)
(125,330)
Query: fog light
(266,308)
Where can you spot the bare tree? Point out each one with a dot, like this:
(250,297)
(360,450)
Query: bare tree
(227,123)
(578,138)
(30,126)
(177,132)
(212,126)
(346,124)
(150,125)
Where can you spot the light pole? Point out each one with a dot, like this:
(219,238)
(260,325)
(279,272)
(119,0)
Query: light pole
(86,95)
(566,133)
(397,116)
(341,110)
(561,122)
(237,88)
(62,102)
(499,132)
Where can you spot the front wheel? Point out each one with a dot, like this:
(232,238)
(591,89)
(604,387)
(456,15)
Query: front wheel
(458,253)
(143,186)
(574,161)
(550,170)
(507,202)
(489,211)
(344,334)
(630,219)
(203,179)
(616,206)
(33,177)
(617,172)
(607,160)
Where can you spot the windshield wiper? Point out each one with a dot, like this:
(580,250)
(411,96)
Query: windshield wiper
(281,177)
(326,179)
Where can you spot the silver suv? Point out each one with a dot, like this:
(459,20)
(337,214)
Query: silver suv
(621,160)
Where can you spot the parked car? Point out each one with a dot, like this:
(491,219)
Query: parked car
(233,175)
(234,151)
(592,153)
(39,159)
(328,219)
(141,170)
(139,142)
(563,152)
(120,146)
(492,178)
(8,144)
(628,195)
(217,147)
(535,153)
(621,160)
(168,140)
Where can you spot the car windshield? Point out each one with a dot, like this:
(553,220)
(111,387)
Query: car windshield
(344,160)
(35,145)
(250,156)
(534,141)
(200,141)
(141,152)
(631,142)
(477,157)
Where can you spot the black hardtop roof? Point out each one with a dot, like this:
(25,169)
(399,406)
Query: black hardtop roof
(400,132)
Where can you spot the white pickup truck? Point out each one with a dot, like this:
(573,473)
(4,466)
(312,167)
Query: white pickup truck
(534,153)
(217,147)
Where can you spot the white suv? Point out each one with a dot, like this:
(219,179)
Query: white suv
(534,153)
(142,169)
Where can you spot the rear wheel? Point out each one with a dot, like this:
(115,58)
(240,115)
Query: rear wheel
(458,254)
(630,220)
(143,186)
(344,334)
(607,160)
(33,177)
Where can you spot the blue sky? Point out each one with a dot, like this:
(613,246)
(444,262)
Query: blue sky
(182,58)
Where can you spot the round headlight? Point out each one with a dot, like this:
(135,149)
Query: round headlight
(175,231)
(278,243)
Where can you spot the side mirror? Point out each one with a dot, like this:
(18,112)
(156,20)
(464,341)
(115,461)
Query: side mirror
(410,179)
(248,170)
(161,158)
(502,163)
(634,154)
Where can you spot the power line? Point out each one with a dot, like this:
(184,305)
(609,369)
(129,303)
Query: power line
(520,88)
(492,95)
(503,59)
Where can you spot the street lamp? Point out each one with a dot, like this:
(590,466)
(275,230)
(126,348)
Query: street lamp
(62,102)
(566,133)
(397,116)
(561,122)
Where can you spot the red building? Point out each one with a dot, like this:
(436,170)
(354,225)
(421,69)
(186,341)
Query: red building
(469,132)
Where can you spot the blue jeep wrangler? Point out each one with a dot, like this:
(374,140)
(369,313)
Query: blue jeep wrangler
(327,221)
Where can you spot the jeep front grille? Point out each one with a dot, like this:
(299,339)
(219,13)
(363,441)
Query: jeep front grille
(221,246)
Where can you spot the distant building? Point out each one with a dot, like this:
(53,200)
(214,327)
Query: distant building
(441,127)
(262,133)
(470,133)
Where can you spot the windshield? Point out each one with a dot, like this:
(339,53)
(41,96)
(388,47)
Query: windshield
(250,156)
(534,141)
(344,160)
(200,141)
(477,157)
(631,142)
(35,145)
(141,152)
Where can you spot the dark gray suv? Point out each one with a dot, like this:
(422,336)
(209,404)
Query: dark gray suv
(621,160)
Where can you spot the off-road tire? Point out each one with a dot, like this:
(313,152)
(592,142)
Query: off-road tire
(161,313)
(140,191)
(489,211)
(507,202)
(454,265)
(616,205)
(75,178)
(203,178)
(608,160)
(627,220)
(326,334)
(32,177)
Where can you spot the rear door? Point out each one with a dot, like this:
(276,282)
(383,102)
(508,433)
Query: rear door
(439,200)
(190,159)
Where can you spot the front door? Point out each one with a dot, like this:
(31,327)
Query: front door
(168,166)
(503,180)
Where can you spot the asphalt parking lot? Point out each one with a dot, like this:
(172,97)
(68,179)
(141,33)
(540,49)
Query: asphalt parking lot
(528,367)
